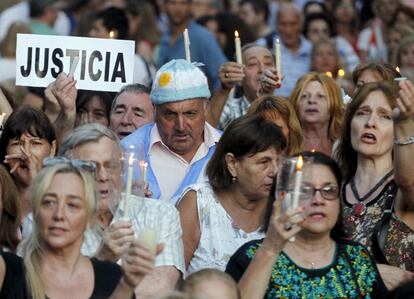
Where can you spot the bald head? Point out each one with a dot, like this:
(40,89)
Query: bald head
(289,24)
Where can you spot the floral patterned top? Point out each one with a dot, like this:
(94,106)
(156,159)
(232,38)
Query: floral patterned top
(360,224)
(220,236)
(352,274)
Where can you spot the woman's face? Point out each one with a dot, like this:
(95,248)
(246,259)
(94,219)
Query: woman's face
(318,30)
(62,214)
(27,153)
(407,56)
(313,104)
(345,12)
(255,174)
(372,126)
(94,111)
(321,214)
(325,59)
(367,76)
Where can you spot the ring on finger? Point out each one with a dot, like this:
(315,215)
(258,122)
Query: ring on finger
(287,226)
(226,75)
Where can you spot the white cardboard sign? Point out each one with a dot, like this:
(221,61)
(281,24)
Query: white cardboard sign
(104,64)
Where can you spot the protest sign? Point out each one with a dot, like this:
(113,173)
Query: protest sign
(104,64)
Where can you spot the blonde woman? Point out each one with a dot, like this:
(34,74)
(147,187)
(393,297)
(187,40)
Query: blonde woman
(64,202)
(319,107)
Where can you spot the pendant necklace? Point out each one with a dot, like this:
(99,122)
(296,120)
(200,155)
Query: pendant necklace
(359,207)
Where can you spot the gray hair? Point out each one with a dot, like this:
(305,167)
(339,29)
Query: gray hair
(91,132)
(133,88)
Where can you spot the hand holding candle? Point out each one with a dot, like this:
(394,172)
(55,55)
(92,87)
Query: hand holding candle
(237,44)
(148,237)
(187,45)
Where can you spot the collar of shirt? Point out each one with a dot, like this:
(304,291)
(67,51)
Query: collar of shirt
(305,47)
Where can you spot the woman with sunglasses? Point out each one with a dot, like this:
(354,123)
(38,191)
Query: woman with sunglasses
(319,263)
(52,265)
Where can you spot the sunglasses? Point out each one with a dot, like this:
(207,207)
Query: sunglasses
(78,164)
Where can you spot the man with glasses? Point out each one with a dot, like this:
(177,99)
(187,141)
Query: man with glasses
(109,238)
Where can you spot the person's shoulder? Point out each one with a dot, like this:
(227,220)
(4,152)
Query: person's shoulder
(138,135)
(11,258)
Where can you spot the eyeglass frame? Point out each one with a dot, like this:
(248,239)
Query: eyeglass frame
(88,166)
(314,190)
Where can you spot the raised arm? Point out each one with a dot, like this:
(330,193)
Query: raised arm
(230,74)
(404,145)
(255,280)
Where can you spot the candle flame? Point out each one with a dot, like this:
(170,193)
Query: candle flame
(143,164)
(397,69)
(341,73)
(111,34)
(313,150)
(277,40)
(236,33)
(299,164)
(329,74)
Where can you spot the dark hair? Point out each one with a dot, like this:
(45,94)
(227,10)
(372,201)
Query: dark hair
(258,7)
(37,7)
(84,96)
(135,88)
(315,17)
(26,119)
(114,18)
(345,153)
(318,158)
(10,212)
(245,136)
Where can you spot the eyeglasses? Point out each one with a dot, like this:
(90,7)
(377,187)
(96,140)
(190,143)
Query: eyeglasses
(327,192)
(78,164)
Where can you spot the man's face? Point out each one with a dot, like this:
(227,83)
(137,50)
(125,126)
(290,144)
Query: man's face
(131,111)
(256,61)
(107,157)
(290,27)
(178,11)
(181,126)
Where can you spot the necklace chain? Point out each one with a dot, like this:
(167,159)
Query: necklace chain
(372,190)
(313,264)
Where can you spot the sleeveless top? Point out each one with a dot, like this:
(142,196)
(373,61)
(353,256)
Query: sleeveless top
(220,236)
(360,223)
(106,278)
(351,274)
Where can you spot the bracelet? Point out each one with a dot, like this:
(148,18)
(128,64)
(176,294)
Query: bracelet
(406,142)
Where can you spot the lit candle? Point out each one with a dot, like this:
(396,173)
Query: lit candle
(237,44)
(329,74)
(298,182)
(148,237)
(144,166)
(111,34)
(341,73)
(187,45)
(129,183)
(73,67)
(278,59)
(2,119)
(397,69)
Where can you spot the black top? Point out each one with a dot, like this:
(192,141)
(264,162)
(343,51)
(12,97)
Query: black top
(107,276)
(351,274)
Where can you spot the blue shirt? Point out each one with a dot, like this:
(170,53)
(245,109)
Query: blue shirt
(203,47)
(294,66)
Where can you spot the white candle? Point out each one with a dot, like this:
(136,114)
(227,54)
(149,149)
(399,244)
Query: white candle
(129,184)
(237,44)
(148,237)
(278,59)
(298,182)
(2,118)
(144,166)
(187,45)
(73,67)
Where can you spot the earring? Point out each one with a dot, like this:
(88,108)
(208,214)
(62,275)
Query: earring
(233,179)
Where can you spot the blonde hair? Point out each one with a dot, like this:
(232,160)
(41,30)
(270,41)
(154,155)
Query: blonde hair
(273,107)
(31,248)
(335,103)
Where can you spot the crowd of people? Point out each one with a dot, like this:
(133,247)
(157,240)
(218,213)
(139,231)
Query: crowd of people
(166,188)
